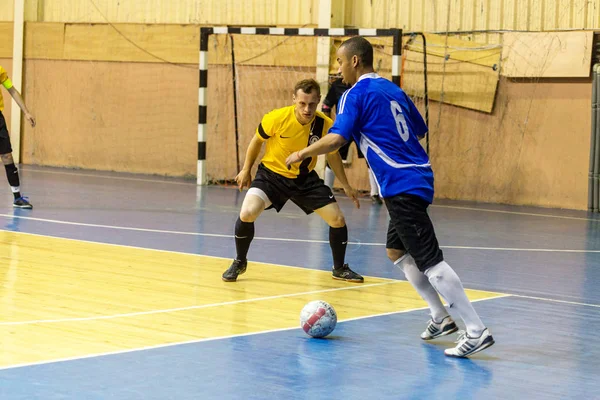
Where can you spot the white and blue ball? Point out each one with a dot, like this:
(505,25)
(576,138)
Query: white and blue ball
(318,318)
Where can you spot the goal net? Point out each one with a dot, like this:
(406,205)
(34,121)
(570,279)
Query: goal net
(247,72)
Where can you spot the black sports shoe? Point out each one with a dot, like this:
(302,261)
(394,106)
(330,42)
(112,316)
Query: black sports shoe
(237,268)
(346,274)
(22,202)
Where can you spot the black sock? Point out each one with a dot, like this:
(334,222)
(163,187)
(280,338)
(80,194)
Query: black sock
(13,178)
(338,240)
(244,233)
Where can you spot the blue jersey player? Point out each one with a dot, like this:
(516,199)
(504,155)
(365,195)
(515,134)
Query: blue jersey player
(386,126)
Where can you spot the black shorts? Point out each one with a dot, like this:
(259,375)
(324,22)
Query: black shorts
(344,153)
(411,230)
(5,147)
(308,192)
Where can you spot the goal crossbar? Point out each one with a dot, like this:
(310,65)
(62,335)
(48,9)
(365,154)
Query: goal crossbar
(205,33)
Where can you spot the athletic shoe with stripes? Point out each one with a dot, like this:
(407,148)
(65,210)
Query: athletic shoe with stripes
(468,345)
(437,329)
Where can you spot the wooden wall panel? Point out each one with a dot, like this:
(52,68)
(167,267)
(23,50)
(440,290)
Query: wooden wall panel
(475,15)
(533,149)
(7,11)
(205,12)
(145,43)
(130,117)
(6,44)
(547,54)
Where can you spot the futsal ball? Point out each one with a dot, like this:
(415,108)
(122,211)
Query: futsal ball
(318,318)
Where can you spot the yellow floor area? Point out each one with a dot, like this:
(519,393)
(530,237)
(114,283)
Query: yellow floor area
(62,298)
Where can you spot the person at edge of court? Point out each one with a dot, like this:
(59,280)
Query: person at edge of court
(5,146)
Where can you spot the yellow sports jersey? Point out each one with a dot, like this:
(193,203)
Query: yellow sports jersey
(7,84)
(285,135)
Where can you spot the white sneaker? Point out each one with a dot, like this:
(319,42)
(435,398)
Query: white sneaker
(437,329)
(467,345)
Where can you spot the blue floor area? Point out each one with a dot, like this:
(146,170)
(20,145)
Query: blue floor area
(549,355)
(545,349)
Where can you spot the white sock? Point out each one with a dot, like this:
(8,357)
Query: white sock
(329,177)
(423,287)
(373,182)
(448,284)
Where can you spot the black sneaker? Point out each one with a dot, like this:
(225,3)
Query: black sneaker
(22,202)
(376,199)
(346,274)
(237,268)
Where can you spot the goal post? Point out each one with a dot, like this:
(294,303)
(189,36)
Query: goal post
(394,35)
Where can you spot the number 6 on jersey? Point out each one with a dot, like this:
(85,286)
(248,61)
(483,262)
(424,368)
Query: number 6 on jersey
(400,121)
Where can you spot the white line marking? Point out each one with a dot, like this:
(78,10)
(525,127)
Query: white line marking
(576,303)
(198,307)
(517,213)
(175,252)
(206,339)
(121,178)
(274,239)
(25,168)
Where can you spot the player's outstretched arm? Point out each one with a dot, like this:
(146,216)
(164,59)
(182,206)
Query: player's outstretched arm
(329,143)
(19,100)
(243,179)
(335,162)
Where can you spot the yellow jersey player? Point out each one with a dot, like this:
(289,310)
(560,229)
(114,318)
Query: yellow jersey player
(285,131)
(5,147)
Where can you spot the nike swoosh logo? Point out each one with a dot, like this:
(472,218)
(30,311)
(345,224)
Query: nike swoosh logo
(240,237)
(344,242)
(285,137)
(331,197)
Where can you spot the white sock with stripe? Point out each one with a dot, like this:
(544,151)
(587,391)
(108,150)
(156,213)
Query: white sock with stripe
(422,285)
(448,284)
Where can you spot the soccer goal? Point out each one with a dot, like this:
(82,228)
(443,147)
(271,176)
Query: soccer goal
(246,72)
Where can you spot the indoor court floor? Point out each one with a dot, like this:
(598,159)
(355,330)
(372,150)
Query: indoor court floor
(110,288)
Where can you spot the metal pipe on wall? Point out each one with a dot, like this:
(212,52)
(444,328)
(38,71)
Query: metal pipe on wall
(596,150)
(593,139)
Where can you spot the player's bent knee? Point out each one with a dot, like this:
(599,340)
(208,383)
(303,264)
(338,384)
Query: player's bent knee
(338,221)
(249,214)
(7,158)
(394,254)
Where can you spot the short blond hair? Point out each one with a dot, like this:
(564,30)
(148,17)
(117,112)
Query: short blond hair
(307,86)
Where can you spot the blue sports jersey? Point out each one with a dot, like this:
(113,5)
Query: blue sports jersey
(385,124)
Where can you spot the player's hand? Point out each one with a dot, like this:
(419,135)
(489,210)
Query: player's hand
(352,194)
(293,158)
(30,119)
(243,179)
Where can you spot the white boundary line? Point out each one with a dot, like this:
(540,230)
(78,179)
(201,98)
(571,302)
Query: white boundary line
(575,303)
(197,307)
(25,168)
(209,339)
(516,213)
(274,239)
